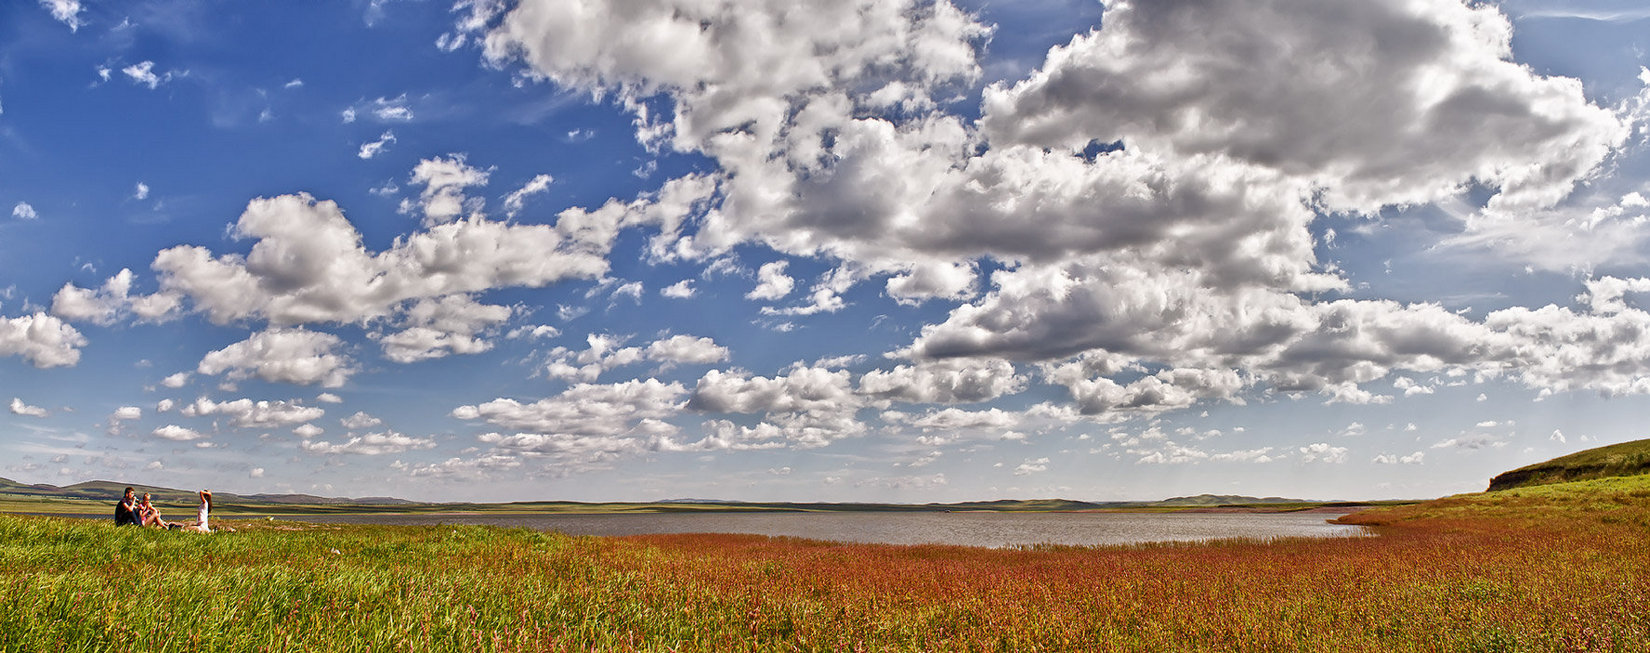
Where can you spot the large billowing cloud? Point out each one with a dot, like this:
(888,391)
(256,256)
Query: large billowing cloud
(1146,198)
(1132,223)
(1375,103)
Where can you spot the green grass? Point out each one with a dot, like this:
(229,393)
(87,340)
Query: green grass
(1614,500)
(97,587)
(1624,459)
(1551,568)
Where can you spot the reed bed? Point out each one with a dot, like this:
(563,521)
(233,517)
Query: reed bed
(1544,570)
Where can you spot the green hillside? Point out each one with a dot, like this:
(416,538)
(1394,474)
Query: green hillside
(1625,459)
(110,491)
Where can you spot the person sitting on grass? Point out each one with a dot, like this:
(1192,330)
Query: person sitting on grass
(200,525)
(148,515)
(126,510)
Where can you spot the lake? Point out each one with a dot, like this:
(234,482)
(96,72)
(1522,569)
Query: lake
(979,529)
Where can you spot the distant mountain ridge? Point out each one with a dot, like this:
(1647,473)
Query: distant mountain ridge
(1624,459)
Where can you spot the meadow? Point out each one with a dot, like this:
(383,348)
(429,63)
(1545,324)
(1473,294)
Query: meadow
(1551,568)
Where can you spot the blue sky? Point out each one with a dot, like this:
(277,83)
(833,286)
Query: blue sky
(766,250)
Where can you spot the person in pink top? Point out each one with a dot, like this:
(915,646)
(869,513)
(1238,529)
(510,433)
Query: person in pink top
(148,514)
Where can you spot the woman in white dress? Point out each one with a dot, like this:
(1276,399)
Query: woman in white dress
(201,515)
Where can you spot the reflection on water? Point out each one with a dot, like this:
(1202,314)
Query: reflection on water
(982,529)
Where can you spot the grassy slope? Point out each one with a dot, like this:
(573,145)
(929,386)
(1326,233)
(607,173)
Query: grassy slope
(1614,500)
(1625,459)
(1560,567)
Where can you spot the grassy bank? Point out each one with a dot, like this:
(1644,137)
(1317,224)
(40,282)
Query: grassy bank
(1557,568)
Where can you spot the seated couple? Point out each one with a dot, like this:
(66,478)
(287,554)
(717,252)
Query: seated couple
(130,511)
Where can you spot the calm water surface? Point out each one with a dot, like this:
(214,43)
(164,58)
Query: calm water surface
(966,529)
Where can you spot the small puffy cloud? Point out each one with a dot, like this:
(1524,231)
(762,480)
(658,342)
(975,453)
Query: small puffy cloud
(952,425)
(680,290)
(584,409)
(141,192)
(932,280)
(517,199)
(102,306)
(1031,467)
(444,180)
(772,282)
(256,472)
(435,328)
(632,290)
(177,433)
(806,407)
(1410,387)
(24,211)
(1390,459)
(295,356)
(533,332)
(360,421)
(944,381)
(586,425)
(329,398)
(901,482)
(111,302)
(307,431)
(687,349)
(1557,436)
(44,340)
(1260,455)
(126,413)
(604,352)
(375,148)
(20,408)
(1097,392)
(1323,452)
(371,444)
(66,12)
(391,110)
(1153,451)
(1607,295)
(254,414)
(1472,442)
(177,380)
(143,74)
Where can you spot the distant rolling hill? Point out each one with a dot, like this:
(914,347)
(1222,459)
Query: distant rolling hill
(1625,459)
(111,491)
(1223,500)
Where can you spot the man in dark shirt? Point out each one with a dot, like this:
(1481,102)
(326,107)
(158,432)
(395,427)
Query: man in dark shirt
(126,510)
